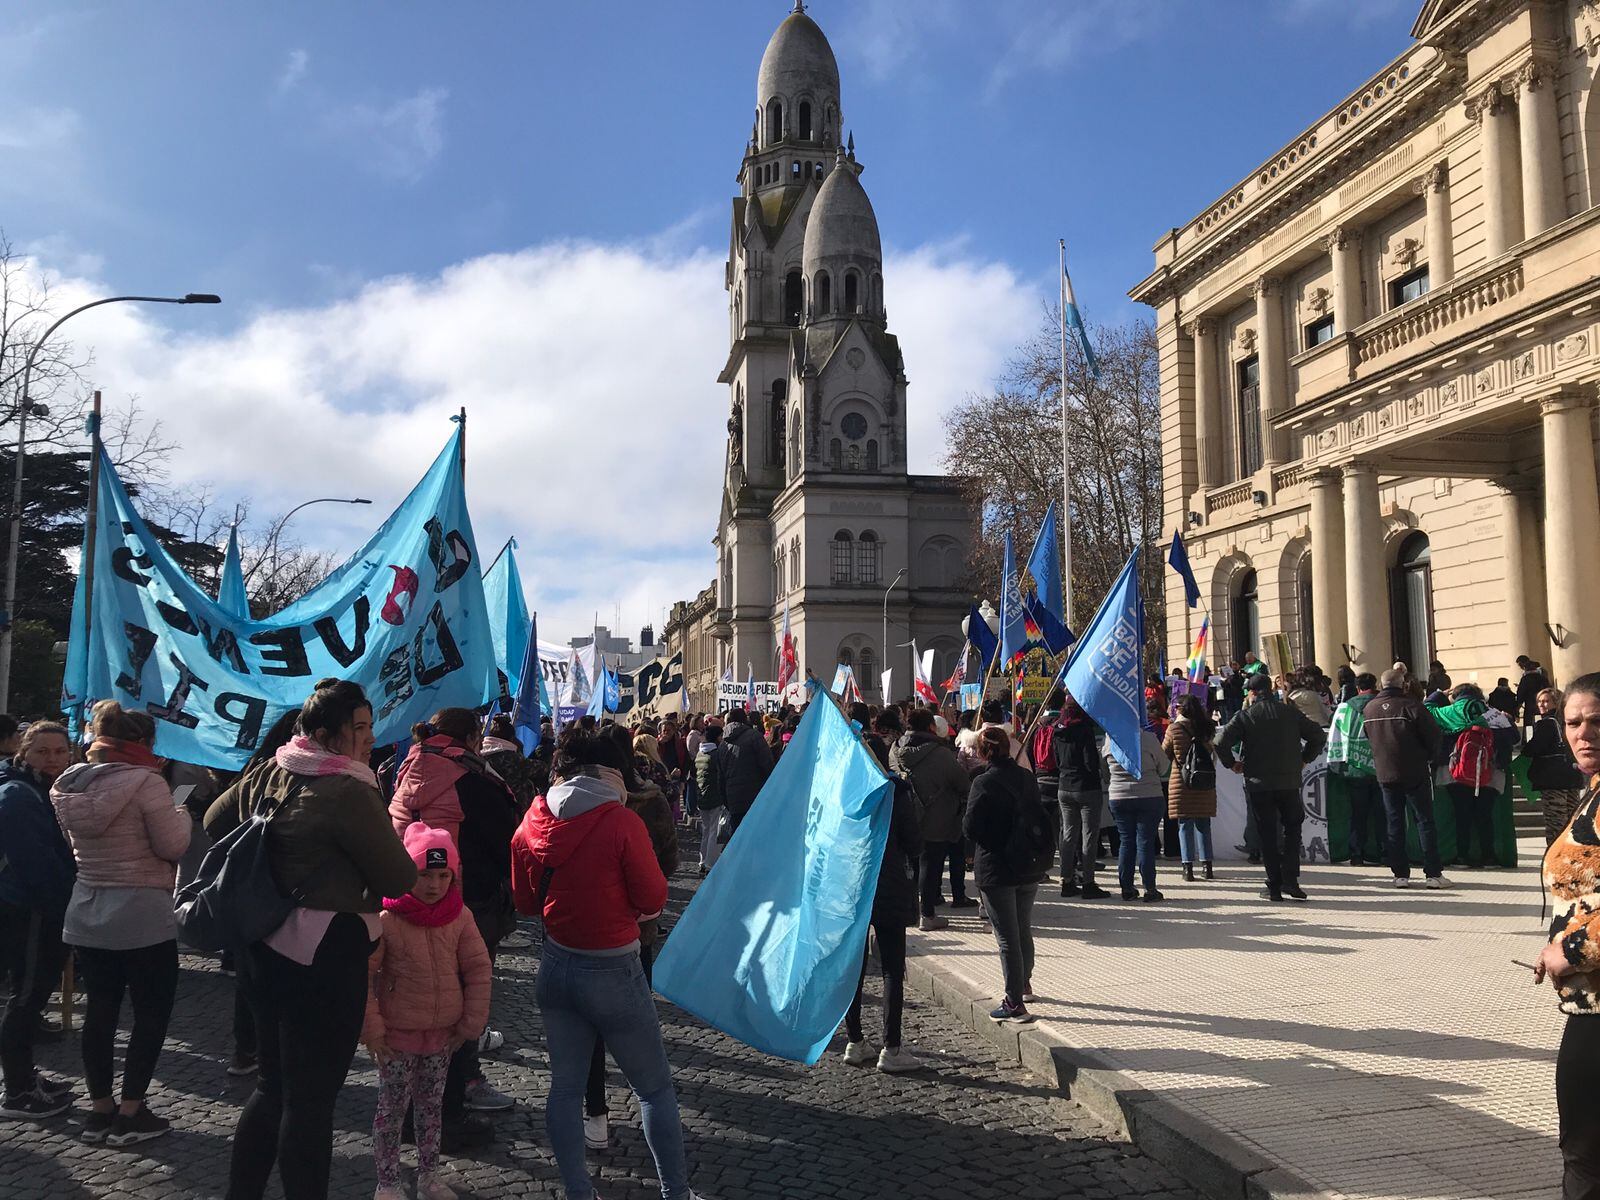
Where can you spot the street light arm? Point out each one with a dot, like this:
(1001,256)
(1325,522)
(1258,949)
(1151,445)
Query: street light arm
(27,368)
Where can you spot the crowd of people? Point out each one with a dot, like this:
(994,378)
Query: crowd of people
(405,870)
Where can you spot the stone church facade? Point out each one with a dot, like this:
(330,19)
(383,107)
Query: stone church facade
(1379,360)
(818,507)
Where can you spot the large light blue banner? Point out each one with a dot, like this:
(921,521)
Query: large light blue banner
(405,618)
(1106,674)
(769,950)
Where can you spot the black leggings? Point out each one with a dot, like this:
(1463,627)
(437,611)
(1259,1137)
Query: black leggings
(31,956)
(308,1021)
(1577,1067)
(149,976)
(892,958)
(594,1095)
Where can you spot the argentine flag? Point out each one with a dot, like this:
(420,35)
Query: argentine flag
(1073,319)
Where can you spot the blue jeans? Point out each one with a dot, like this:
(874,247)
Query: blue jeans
(1194,839)
(1397,797)
(583,997)
(1137,818)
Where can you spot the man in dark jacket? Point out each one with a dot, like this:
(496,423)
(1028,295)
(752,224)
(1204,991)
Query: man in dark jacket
(1276,740)
(1534,680)
(940,783)
(746,763)
(36,875)
(1405,740)
(1075,744)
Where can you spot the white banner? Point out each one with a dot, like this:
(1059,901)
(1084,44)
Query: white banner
(737,695)
(1227,828)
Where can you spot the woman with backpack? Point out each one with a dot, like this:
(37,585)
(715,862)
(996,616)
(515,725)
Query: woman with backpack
(1137,806)
(1476,750)
(1192,787)
(127,836)
(1551,767)
(333,848)
(1013,849)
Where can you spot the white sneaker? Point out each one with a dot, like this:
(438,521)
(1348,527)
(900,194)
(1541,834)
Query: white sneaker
(597,1132)
(491,1040)
(897,1060)
(929,924)
(1436,882)
(857,1054)
(1402,881)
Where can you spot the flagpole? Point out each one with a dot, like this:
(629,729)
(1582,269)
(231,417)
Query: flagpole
(91,536)
(1066,457)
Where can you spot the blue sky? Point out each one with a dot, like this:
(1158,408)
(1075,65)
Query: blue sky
(523,207)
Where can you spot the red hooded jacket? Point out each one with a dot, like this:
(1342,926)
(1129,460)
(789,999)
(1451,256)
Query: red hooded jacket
(604,876)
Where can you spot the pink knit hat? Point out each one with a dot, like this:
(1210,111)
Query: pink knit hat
(431,848)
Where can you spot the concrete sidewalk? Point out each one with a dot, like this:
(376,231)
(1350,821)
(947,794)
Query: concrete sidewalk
(1372,1043)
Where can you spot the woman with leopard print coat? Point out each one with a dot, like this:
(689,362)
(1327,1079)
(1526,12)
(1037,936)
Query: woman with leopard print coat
(1571,957)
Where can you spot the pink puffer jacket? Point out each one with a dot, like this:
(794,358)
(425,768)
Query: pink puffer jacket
(427,984)
(124,828)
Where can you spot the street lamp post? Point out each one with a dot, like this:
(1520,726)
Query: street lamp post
(890,588)
(277,532)
(23,409)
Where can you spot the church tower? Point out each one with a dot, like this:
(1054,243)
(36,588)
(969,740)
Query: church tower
(818,510)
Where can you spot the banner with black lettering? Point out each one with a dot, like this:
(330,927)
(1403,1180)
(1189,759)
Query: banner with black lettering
(405,618)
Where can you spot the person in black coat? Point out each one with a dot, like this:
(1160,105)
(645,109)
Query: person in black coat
(998,796)
(894,909)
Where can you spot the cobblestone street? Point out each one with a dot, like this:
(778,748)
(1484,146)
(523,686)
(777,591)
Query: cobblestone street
(966,1126)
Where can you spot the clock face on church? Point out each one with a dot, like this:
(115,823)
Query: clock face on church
(854,425)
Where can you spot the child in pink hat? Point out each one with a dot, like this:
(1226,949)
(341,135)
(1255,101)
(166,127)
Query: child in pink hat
(419,1013)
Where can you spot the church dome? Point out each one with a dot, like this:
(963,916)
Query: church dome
(842,256)
(798,59)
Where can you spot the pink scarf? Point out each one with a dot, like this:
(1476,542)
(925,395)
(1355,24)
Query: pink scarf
(302,755)
(408,908)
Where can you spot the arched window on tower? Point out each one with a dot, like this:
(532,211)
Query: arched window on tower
(797,575)
(872,454)
(794,297)
(794,171)
(775,422)
(774,121)
(852,291)
(824,294)
(794,445)
(867,557)
(877,292)
(840,552)
(805,120)
(866,675)
(816,171)
(836,454)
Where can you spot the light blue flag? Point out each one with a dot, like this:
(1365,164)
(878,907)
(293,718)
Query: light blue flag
(530,702)
(1013,622)
(1104,675)
(231,596)
(404,618)
(1074,320)
(508,616)
(769,950)
(613,690)
(597,697)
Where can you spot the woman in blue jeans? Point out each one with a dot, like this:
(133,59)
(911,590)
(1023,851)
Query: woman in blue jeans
(1137,806)
(584,860)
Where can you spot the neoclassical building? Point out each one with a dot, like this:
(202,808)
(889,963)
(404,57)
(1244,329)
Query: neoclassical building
(818,507)
(1379,363)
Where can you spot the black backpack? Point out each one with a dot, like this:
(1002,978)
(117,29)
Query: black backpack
(235,900)
(1198,770)
(1031,844)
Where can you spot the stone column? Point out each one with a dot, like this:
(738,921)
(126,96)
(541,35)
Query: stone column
(1327,570)
(1435,190)
(1365,577)
(1572,532)
(1524,566)
(1207,418)
(1502,193)
(1274,361)
(1544,199)
(1344,248)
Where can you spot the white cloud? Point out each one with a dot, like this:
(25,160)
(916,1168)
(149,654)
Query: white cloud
(294,70)
(33,129)
(596,427)
(398,139)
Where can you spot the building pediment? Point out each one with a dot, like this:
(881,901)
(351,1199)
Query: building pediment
(1434,14)
(857,356)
